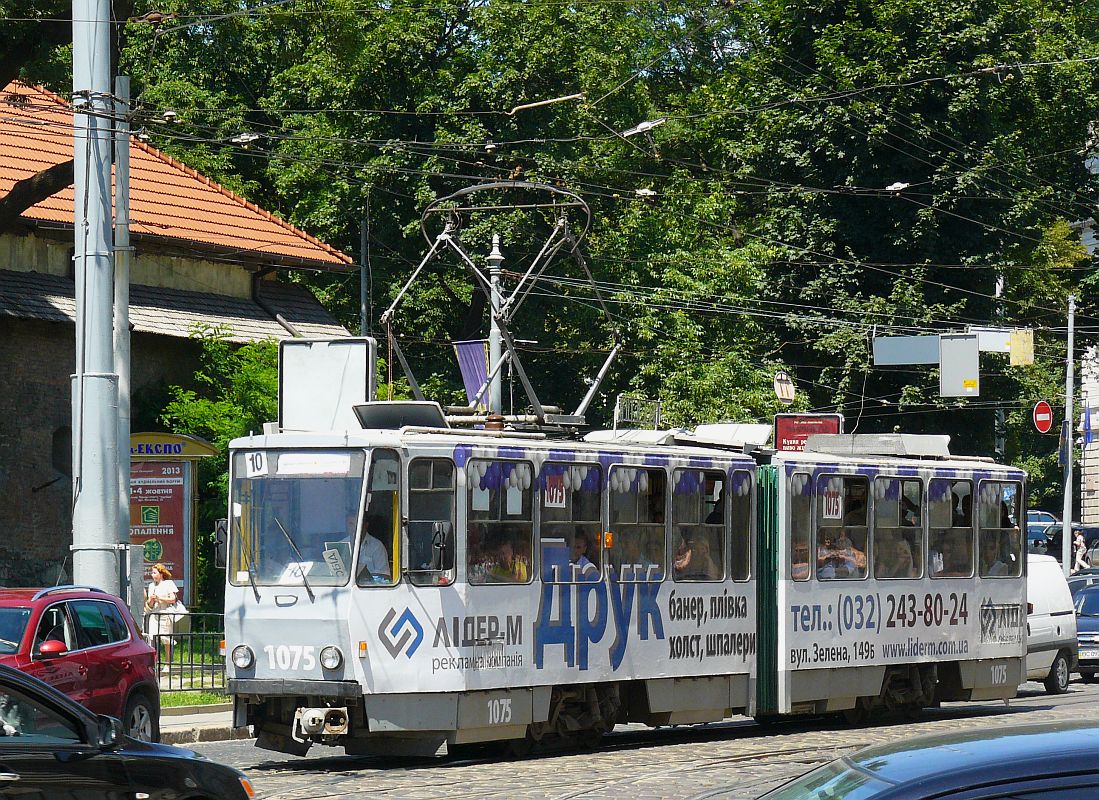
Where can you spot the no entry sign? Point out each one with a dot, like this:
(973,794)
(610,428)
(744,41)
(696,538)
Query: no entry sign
(1043,417)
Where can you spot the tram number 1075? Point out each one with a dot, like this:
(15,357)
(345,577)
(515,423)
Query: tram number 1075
(499,711)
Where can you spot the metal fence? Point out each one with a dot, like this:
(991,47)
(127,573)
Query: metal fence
(188,651)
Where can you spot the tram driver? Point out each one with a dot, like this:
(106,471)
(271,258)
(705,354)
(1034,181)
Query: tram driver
(373,557)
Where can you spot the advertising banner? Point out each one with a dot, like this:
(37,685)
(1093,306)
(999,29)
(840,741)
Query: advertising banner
(791,430)
(160,517)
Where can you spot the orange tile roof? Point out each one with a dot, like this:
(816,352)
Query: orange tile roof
(168,200)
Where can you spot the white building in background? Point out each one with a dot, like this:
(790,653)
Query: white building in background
(1089,400)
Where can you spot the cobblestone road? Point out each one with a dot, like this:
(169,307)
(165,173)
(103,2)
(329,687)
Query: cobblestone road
(635,762)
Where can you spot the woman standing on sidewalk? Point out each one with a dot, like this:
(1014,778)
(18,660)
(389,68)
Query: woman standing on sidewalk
(161,597)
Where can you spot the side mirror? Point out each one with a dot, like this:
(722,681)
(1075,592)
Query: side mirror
(221,543)
(109,732)
(439,547)
(51,648)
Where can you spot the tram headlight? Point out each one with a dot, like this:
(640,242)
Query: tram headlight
(331,657)
(243,657)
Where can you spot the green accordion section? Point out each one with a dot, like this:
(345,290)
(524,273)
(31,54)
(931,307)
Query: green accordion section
(767,591)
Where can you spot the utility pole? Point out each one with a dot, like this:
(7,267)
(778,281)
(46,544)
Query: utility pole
(133,565)
(95,385)
(1070,385)
(495,392)
(1000,424)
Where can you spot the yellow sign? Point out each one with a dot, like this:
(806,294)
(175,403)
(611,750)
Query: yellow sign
(1020,344)
(169,445)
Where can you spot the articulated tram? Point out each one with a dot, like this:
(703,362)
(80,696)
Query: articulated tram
(406,588)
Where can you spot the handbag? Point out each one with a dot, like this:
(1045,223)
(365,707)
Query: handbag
(178,610)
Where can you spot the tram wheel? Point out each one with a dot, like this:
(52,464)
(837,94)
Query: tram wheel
(589,739)
(519,748)
(857,715)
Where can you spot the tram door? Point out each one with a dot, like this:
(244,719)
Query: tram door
(767,571)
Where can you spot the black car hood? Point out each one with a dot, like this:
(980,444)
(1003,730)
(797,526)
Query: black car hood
(153,748)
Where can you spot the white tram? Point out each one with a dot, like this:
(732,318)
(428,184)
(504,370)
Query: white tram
(407,588)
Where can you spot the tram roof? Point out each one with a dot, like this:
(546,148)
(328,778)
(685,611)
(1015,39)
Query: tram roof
(954,462)
(443,438)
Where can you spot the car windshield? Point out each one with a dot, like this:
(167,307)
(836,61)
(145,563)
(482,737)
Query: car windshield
(1087,604)
(835,781)
(13,622)
(294,515)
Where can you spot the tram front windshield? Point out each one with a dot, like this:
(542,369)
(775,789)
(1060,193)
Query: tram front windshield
(294,516)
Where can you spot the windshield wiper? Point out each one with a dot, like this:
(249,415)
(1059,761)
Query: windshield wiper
(249,561)
(301,560)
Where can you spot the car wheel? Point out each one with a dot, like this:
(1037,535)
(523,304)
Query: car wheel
(1057,680)
(141,720)
(1088,677)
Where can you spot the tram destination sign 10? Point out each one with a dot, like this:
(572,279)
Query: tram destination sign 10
(1043,417)
(791,430)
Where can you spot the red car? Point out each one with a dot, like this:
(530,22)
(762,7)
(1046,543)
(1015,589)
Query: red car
(83,642)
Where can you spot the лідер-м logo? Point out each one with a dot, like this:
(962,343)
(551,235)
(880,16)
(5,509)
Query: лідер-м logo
(395,643)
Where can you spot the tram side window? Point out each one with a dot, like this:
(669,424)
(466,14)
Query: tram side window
(569,528)
(950,528)
(637,523)
(698,524)
(379,533)
(739,500)
(898,528)
(500,512)
(841,526)
(431,521)
(1000,541)
(801,524)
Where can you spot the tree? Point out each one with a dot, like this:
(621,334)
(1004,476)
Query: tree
(236,390)
(32,39)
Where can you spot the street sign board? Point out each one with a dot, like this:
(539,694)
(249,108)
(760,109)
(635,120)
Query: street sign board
(959,365)
(1043,417)
(784,388)
(791,430)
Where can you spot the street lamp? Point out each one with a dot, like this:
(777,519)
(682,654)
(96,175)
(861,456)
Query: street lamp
(644,127)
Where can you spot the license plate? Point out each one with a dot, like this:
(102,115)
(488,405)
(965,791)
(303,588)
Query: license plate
(1089,654)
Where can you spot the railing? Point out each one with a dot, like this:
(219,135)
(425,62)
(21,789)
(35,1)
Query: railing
(188,657)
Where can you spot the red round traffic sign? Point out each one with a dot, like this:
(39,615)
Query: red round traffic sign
(1043,417)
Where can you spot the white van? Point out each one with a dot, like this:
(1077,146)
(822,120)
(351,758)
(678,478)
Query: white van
(1051,624)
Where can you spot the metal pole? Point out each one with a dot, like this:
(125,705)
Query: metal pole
(133,574)
(1000,423)
(1070,385)
(495,261)
(95,391)
(364,277)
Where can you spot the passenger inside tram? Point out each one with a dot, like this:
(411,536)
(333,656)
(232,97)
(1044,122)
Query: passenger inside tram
(580,549)
(893,558)
(994,562)
(509,566)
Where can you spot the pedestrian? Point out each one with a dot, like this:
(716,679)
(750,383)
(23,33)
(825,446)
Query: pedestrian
(1081,549)
(161,606)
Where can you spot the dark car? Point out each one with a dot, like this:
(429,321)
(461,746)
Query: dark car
(1087,632)
(1080,581)
(1053,538)
(52,747)
(84,643)
(1050,761)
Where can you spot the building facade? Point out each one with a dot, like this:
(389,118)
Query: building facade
(203,259)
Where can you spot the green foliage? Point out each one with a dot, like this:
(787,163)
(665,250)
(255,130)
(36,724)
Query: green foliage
(236,391)
(766,237)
